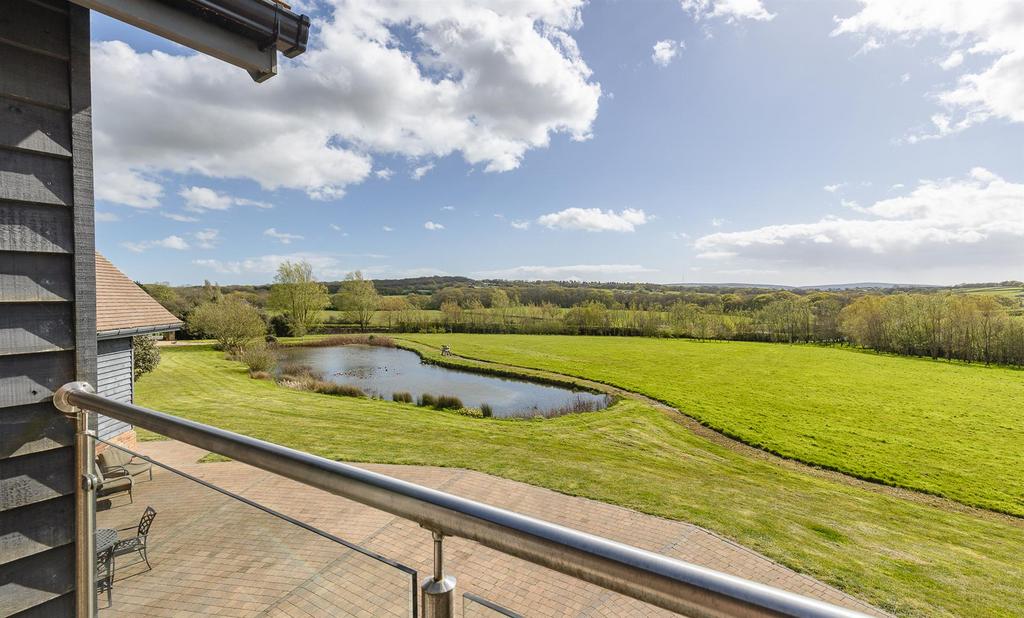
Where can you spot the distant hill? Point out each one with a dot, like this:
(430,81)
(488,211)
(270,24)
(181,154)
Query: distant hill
(870,286)
(430,285)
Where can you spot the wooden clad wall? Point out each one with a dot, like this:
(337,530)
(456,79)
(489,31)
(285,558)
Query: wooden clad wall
(47,293)
(114,380)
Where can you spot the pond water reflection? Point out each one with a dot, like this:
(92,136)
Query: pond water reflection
(383,371)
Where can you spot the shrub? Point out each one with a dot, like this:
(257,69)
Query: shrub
(426,400)
(576,406)
(257,356)
(232,322)
(330,342)
(261,375)
(279,326)
(403,397)
(298,371)
(448,402)
(333,388)
(486,411)
(145,355)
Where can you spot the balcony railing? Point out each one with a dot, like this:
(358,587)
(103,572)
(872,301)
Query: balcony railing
(671,584)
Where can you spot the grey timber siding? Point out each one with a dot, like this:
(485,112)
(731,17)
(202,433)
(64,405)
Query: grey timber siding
(47,293)
(114,380)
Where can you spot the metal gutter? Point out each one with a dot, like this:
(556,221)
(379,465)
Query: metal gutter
(138,330)
(245,33)
(267,23)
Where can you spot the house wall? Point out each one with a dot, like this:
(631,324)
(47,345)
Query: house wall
(114,380)
(47,293)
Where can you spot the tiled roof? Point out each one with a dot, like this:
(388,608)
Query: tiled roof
(120,304)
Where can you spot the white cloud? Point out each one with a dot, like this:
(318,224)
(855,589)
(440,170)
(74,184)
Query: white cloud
(594,219)
(173,216)
(835,187)
(955,59)
(421,171)
(870,45)
(171,242)
(124,186)
(589,272)
(387,228)
(106,217)
(199,199)
(335,227)
(975,222)
(430,225)
(665,51)
(993,29)
(207,239)
(384,173)
(447,208)
(324,266)
(282,237)
(730,10)
(904,78)
(488,81)
(718,222)
(520,225)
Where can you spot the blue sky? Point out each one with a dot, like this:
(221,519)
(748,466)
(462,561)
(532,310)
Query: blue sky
(766,142)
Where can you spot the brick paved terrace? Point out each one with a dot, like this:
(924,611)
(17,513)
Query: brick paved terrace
(214,555)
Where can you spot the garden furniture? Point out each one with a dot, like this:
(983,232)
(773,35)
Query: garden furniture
(105,573)
(114,486)
(115,462)
(138,543)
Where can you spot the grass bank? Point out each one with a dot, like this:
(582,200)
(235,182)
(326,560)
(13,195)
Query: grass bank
(906,557)
(948,429)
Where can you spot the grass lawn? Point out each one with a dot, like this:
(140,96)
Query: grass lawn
(906,557)
(945,428)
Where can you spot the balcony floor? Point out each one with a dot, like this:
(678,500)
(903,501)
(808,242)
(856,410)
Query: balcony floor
(208,559)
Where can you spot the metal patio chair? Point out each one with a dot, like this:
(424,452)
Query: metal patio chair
(138,543)
(105,574)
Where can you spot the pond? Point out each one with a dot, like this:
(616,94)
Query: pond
(383,371)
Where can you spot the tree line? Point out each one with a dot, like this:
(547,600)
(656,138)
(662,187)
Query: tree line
(938,324)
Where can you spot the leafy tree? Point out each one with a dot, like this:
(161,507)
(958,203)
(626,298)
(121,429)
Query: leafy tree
(298,295)
(452,312)
(357,297)
(232,322)
(145,355)
(168,297)
(588,317)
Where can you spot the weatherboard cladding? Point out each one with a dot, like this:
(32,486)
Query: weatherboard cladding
(47,293)
(114,380)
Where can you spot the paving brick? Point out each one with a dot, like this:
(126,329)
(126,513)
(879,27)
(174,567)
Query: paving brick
(213,555)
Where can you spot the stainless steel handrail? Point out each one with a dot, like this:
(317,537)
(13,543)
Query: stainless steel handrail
(671,584)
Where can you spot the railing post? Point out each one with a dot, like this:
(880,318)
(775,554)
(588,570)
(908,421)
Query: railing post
(85,500)
(439,591)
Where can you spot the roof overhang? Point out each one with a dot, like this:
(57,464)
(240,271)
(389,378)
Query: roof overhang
(245,33)
(121,333)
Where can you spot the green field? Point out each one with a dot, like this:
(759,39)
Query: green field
(1009,292)
(902,555)
(945,428)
